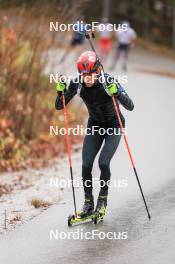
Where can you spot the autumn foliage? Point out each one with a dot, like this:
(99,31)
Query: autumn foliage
(26,97)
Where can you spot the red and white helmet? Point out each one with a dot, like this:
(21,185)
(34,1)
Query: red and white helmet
(88,62)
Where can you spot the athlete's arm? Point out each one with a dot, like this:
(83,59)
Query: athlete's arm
(123,98)
(69,94)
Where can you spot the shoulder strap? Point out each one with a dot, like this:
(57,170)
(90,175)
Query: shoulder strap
(105,88)
(104,84)
(79,88)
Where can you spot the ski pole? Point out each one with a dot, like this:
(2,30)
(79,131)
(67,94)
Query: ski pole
(121,127)
(69,152)
(130,155)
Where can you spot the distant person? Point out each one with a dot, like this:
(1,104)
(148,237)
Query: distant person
(105,39)
(126,39)
(77,40)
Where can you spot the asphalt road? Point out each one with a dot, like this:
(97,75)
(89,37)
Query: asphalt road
(151,131)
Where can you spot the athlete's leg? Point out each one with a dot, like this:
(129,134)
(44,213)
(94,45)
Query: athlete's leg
(91,146)
(116,58)
(107,152)
(125,55)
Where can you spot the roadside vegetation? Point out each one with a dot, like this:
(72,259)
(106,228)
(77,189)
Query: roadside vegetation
(26,96)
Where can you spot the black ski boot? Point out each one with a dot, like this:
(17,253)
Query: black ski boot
(100,210)
(88,207)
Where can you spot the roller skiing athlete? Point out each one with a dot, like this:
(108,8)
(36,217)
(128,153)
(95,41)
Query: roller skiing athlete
(96,94)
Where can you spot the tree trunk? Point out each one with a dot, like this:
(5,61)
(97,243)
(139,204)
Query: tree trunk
(106,9)
(146,20)
(173,31)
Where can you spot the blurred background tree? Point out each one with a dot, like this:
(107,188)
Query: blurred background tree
(153,19)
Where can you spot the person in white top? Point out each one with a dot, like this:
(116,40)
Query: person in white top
(126,37)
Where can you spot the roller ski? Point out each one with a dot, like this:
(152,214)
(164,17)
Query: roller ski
(100,210)
(84,216)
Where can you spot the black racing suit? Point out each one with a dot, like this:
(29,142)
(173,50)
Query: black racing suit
(102,114)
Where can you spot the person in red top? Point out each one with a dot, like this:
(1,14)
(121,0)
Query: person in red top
(105,39)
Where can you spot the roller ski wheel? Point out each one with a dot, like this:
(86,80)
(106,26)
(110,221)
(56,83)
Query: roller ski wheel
(100,211)
(71,219)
